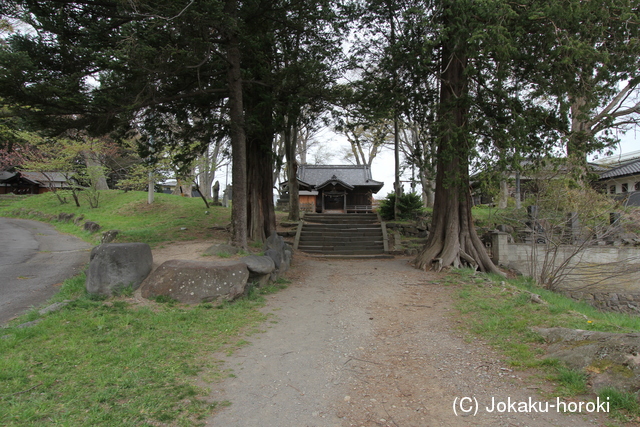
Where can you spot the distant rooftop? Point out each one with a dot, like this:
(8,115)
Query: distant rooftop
(628,167)
(618,159)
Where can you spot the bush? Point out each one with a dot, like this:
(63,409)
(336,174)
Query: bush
(410,205)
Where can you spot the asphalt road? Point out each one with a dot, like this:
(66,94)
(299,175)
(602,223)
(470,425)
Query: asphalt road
(34,261)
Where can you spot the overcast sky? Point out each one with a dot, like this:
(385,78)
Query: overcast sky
(382,168)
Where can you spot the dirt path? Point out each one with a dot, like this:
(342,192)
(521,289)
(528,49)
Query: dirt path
(371,343)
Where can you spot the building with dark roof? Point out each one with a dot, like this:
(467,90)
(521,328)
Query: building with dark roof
(30,182)
(620,177)
(336,188)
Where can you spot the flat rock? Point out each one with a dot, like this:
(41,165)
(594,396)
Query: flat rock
(194,282)
(259,264)
(260,269)
(610,359)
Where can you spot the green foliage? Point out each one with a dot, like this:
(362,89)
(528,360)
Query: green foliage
(410,206)
(561,195)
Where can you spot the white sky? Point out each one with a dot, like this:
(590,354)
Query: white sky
(628,142)
(382,167)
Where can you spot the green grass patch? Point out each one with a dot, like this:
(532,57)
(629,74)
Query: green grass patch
(623,405)
(111,362)
(570,381)
(485,216)
(169,218)
(501,311)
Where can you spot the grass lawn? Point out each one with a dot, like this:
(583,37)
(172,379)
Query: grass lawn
(169,218)
(116,363)
(501,312)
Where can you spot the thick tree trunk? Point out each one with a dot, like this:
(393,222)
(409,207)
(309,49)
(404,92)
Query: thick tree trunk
(577,144)
(238,138)
(95,170)
(580,130)
(261,212)
(209,166)
(503,197)
(396,156)
(453,240)
(428,195)
(303,142)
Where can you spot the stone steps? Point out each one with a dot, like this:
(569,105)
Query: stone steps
(341,218)
(341,234)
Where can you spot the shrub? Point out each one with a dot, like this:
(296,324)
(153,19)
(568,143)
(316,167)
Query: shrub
(410,205)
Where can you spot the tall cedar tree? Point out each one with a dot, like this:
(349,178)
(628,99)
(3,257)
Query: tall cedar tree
(453,239)
(507,71)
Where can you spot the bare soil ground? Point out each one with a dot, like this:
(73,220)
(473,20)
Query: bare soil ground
(369,343)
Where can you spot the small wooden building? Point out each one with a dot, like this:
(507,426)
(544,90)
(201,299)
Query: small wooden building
(30,182)
(336,188)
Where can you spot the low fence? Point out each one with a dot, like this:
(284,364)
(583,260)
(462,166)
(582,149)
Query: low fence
(359,209)
(608,277)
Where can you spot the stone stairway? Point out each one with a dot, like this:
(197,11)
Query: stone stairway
(341,234)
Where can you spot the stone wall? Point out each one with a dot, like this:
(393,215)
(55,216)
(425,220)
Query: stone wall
(605,276)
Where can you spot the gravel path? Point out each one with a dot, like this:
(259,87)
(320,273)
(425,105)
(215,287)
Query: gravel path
(371,343)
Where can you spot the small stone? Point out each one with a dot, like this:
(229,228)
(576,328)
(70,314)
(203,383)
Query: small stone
(347,399)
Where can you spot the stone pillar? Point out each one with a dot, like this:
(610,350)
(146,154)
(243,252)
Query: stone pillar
(574,228)
(500,248)
(216,193)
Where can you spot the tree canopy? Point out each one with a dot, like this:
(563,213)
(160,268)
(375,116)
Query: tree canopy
(176,73)
(492,80)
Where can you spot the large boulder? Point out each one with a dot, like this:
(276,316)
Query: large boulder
(260,268)
(275,242)
(276,256)
(280,252)
(193,282)
(114,266)
(610,359)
